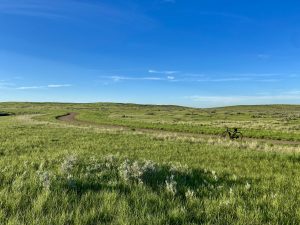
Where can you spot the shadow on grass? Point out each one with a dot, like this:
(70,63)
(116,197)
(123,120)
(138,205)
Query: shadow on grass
(201,182)
(82,186)
(6,114)
(204,183)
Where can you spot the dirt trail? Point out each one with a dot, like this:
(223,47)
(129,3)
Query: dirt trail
(71,118)
(68,117)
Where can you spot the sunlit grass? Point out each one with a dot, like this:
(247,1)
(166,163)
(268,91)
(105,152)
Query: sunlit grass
(57,173)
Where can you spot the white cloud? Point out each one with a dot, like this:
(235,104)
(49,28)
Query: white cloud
(43,87)
(71,10)
(257,75)
(269,80)
(30,87)
(120,78)
(245,99)
(167,72)
(58,85)
(105,79)
(292,92)
(182,77)
(151,78)
(234,79)
(190,77)
(226,79)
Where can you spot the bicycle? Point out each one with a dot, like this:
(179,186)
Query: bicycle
(232,134)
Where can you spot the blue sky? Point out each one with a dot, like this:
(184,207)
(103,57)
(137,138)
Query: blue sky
(194,53)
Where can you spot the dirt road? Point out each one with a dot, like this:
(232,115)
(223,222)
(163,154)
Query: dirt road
(71,118)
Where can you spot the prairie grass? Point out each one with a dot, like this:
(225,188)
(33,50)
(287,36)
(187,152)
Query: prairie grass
(57,173)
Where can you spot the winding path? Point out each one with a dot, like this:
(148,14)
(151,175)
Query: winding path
(71,118)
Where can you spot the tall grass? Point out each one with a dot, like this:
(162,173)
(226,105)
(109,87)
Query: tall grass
(55,173)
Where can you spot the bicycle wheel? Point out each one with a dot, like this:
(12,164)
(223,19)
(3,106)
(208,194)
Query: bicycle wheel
(225,135)
(239,136)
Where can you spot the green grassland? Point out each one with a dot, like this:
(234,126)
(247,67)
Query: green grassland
(55,172)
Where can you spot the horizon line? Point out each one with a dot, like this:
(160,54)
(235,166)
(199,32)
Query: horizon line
(145,104)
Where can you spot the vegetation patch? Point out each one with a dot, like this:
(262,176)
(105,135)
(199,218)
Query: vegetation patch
(56,172)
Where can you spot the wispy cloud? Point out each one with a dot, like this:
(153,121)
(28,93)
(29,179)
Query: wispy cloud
(242,77)
(230,78)
(170,77)
(263,56)
(129,78)
(294,75)
(119,78)
(5,85)
(169,1)
(225,79)
(268,80)
(72,10)
(245,99)
(167,72)
(227,15)
(30,87)
(176,76)
(43,87)
(258,75)
(292,92)
(34,8)
(58,85)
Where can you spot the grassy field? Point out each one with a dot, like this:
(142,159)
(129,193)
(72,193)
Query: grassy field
(137,164)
